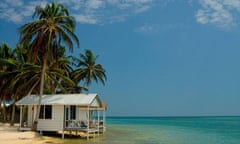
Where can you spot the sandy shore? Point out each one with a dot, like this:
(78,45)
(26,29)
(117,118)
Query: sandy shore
(11,135)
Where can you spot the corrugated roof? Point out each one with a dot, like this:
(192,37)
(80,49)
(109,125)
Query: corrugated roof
(61,99)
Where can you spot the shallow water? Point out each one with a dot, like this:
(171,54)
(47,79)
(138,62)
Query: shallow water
(167,130)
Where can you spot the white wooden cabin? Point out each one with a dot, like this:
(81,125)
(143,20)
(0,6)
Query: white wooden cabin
(64,112)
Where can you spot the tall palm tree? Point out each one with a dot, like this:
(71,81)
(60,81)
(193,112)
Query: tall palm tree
(14,80)
(24,76)
(5,95)
(62,63)
(88,69)
(53,27)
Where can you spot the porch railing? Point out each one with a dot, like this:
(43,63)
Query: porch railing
(83,125)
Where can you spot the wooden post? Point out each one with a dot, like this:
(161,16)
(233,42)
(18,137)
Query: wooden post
(104,120)
(64,120)
(62,134)
(98,123)
(88,123)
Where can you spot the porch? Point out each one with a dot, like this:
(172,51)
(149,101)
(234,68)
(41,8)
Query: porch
(88,120)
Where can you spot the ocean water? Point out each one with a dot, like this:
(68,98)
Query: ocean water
(168,130)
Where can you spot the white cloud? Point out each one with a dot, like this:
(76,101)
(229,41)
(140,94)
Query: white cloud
(142,9)
(156,28)
(218,12)
(135,5)
(117,18)
(87,19)
(223,13)
(146,28)
(232,3)
(11,15)
(14,3)
(95,4)
(150,28)
(17,11)
(28,10)
(85,11)
(3,6)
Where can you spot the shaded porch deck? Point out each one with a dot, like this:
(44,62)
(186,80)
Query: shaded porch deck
(89,129)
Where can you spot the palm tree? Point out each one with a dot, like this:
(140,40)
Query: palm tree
(88,69)
(53,27)
(5,95)
(15,83)
(62,63)
(7,54)
(24,76)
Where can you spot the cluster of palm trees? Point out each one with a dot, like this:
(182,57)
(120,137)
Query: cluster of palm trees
(39,64)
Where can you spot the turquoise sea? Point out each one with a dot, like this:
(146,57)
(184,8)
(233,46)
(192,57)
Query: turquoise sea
(168,130)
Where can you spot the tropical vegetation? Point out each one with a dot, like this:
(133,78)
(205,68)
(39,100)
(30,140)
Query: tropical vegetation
(40,65)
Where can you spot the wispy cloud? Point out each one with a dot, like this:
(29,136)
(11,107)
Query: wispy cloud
(85,11)
(17,11)
(108,11)
(158,28)
(218,12)
(95,4)
(223,13)
(86,19)
(148,28)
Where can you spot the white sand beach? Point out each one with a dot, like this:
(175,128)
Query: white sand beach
(11,135)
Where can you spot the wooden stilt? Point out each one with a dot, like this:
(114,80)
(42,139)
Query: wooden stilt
(62,134)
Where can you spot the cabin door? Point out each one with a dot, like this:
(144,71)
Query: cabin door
(70,112)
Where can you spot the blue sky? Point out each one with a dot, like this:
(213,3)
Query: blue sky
(163,57)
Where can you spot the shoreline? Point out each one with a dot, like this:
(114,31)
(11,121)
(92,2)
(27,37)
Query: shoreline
(11,135)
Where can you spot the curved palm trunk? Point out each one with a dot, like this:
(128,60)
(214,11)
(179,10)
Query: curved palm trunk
(13,110)
(40,94)
(1,110)
(13,114)
(4,111)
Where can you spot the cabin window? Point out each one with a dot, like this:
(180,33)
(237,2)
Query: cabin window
(45,112)
(73,112)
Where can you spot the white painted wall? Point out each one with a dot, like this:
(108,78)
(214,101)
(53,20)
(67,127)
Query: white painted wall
(95,103)
(54,124)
